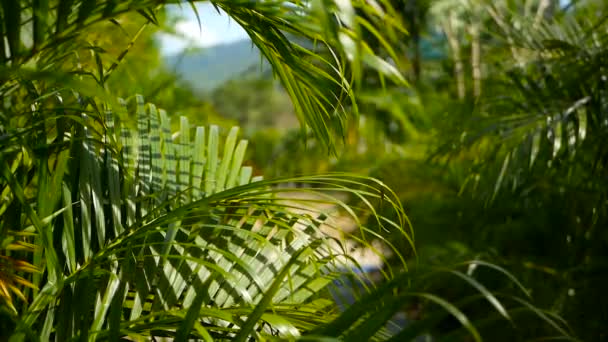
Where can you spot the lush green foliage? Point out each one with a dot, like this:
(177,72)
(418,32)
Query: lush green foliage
(114,227)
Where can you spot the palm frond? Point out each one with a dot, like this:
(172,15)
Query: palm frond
(293,35)
(150,241)
(315,49)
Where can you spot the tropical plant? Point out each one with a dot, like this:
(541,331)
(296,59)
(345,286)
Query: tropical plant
(163,224)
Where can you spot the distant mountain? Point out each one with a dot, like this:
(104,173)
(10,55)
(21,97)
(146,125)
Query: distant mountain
(209,67)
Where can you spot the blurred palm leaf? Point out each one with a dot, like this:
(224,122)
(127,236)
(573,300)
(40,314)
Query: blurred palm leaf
(548,113)
(409,307)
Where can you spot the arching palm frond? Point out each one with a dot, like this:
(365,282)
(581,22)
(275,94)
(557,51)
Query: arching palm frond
(172,229)
(315,48)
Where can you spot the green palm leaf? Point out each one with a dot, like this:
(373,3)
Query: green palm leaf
(234,245)
(315,49)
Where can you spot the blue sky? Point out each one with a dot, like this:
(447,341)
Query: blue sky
(216,29)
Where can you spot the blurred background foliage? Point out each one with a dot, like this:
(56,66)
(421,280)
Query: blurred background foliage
(497,149)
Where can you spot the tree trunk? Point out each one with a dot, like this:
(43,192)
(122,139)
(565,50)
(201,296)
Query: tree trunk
(455,47)
(543,5)
(505,27)
(476,59)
